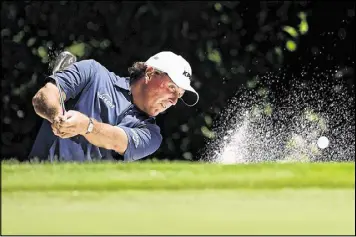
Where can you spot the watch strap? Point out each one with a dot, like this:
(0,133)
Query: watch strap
(90,126)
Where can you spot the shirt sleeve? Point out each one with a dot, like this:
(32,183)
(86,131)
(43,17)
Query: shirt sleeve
(75,77)
(142,141)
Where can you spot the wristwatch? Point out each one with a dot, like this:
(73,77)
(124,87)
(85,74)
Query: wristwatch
(90,126)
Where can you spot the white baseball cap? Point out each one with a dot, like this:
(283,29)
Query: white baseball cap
(177,68)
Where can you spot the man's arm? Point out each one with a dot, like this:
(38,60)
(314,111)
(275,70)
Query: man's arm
(72,80)
(103,135)
(132,143)
(108,136)
(46,102)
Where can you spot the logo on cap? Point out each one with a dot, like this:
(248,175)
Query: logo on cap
(187,74)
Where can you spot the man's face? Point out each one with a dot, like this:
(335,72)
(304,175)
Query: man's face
(160,93)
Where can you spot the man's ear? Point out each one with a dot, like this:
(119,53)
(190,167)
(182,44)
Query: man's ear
(148,74)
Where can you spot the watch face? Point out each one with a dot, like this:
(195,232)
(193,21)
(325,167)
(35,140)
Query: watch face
(91,126)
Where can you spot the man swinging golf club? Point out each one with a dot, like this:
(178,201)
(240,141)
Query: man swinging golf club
(105,113)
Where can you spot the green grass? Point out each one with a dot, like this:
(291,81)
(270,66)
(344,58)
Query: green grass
(311,211)
(178,198)
(176,176)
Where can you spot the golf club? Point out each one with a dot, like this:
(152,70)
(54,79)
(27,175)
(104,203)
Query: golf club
(63,60)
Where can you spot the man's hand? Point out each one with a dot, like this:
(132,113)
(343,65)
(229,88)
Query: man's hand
(74,123)
(71,124)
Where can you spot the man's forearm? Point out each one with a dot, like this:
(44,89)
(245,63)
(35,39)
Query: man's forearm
(46,107)
(108,137)
(46,102)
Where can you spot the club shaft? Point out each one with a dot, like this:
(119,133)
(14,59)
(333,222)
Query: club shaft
(63,60)
(61,100)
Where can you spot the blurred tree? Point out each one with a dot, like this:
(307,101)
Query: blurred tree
(227,43)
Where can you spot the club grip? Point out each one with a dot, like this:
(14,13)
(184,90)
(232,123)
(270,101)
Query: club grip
(63,60)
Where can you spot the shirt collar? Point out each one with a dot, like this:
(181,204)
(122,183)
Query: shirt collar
(123,83)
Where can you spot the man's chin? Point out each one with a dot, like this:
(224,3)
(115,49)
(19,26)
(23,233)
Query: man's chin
(154,113)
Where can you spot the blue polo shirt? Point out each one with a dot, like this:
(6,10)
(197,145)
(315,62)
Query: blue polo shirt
(98,93)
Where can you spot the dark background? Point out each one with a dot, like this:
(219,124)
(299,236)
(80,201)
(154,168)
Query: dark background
(226,43)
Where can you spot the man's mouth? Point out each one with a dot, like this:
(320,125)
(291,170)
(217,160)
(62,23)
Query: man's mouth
(163,106)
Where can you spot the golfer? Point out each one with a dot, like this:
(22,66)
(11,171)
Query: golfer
(108,115)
